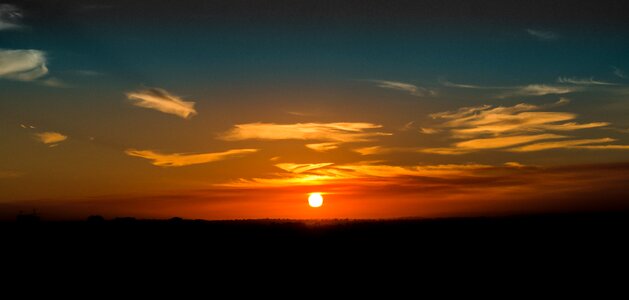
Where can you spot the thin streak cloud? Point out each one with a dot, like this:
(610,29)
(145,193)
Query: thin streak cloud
(185,159)
(323,147)
(542,35)
(540,90)
(405,87)
(560,144)
(163,101)
(583,81)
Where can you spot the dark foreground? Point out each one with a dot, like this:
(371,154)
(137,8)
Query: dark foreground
(576,244)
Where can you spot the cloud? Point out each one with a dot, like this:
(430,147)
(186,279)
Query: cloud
(468,86)
(425,130)
(405,87)
(467,190)
(620,73)
(50,137)
(503,142)
(301,168)
(540,90)
(322,147)
(531,89)
(542,35)
(408,126)
(330,133)
(517,119)
(55,82)
(183,159)
(89,73)
(583,81)
(561,144)
(488,127)
(10,16)
(602,147)
(161,100)
(373,150)
(366,173)
(22,65)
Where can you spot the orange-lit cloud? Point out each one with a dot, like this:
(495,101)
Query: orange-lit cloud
(50,137)
(331,134)
(487,127)
(161,100)
(365,173)
(183,159)
(503,142)
(562,144)
(322,147)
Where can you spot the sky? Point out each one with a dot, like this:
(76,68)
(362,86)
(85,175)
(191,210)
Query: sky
(241,109)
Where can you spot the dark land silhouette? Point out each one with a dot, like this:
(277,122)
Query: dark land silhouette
(535,248)
(537,233)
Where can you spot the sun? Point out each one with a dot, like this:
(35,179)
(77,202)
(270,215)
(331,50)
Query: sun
(315,200)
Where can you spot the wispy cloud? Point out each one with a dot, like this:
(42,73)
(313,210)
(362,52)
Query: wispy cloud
(185,159)
(620,73)
(517,119)
(27,126)
(22,65)
(602,147)
(161,100)
(560,144)
(374,150)
(365,173)
(542,35)
(447,83)
(301,168)
(89,73)
(322,147)
(426,130)
(540,90)
(531,89)
(503,142)
(488,127)
(405,87)
(55,82)
(50,138)
(583,81)
(331,134)
(10,17)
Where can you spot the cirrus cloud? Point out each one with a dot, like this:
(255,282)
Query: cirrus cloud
(186,159)
(163,101)
(330,134)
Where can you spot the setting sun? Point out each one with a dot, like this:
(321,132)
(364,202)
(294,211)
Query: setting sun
(315,200)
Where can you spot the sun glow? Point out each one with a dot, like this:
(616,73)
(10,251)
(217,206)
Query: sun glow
(315,200)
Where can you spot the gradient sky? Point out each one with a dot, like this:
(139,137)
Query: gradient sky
(239,109)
